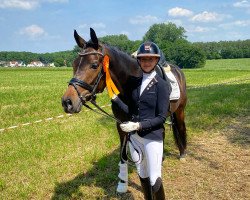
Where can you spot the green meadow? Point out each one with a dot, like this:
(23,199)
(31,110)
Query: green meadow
(51,155)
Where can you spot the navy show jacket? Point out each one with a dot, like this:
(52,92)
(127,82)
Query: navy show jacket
(150,108)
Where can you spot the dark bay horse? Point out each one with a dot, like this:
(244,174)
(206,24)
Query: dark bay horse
(89,79)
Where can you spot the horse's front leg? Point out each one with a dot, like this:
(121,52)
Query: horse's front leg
(122,186)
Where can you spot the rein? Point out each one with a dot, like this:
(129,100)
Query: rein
(124,146)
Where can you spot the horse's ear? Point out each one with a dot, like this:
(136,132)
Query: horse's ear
(79,40)
(93,37)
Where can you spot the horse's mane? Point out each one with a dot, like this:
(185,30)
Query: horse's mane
(125,67)
(117,52)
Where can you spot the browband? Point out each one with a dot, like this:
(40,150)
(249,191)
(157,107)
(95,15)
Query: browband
(89,53)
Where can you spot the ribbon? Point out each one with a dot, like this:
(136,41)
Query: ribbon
(112,89)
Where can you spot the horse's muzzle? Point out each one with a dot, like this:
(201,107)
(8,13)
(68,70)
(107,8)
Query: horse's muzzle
(70,106)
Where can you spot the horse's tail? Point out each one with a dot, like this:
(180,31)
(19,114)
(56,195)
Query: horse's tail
(180,139)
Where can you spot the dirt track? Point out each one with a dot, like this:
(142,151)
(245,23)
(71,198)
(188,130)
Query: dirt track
(217,167)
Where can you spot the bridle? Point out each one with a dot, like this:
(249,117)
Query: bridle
(91,88)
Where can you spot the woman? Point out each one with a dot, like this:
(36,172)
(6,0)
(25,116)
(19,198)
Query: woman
(148,110)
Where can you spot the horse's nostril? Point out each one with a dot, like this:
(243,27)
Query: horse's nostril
(68,102)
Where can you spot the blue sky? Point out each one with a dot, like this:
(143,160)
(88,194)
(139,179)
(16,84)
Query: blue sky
(47,25)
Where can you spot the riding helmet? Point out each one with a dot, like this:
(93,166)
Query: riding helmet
(148,49)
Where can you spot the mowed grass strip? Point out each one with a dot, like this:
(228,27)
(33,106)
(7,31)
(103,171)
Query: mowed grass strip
(214,107)
(219,72)
(228,64)
(28,94)
(77,157)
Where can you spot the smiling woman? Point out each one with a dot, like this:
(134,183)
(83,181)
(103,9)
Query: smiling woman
(148,63)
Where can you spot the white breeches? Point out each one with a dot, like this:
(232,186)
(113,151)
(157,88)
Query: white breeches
(148,158)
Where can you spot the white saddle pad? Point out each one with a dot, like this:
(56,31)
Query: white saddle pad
(175,94)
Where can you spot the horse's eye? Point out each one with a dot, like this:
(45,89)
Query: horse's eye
(94,66)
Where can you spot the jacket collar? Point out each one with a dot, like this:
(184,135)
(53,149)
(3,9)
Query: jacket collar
(150,84)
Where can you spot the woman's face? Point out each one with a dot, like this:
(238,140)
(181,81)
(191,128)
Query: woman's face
(148,63)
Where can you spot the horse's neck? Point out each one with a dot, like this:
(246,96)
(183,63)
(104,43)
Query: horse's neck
(121,69)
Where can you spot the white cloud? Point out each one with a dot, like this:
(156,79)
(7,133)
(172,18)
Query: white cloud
(125,33)
(26,4)
(175,21)
(82,26)
(234,35)
(242,4)
(179,12)
(57,1)
(238,23)
(98,25)
(33,31)
(199,29)
(208,17)
(242,23)
(20,4)
(93,25)
(102,33)
(144,19)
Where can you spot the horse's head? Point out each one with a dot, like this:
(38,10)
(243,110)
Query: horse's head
(87,74)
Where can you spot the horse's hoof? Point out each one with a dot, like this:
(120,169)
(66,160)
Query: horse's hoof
(122,187)
(183,158)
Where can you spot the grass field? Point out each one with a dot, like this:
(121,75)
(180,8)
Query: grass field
(228,64)
(76,157)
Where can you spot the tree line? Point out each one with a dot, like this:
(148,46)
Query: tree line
(62,58)
(170,38)
(225,49)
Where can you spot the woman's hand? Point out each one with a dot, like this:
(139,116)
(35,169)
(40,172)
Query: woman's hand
(130,126)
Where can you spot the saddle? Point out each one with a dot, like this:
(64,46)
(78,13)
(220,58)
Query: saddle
(161,72)
(164,71)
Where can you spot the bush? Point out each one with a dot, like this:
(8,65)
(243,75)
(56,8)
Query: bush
(185,55)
